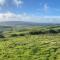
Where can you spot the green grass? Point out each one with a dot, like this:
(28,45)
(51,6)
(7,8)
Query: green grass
(31,47)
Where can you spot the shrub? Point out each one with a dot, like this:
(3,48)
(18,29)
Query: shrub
(14,35)
(36,32)
(21,34)
(52,31)
(58,30)
(2,36)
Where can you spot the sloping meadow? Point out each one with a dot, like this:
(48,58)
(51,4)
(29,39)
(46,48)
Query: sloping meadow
(37,43)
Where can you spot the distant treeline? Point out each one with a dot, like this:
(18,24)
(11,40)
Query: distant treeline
(33,32)
(50,31)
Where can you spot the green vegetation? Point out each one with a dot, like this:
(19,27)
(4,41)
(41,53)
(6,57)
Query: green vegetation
(35,43)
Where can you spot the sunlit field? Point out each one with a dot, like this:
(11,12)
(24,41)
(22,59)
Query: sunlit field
(28,46)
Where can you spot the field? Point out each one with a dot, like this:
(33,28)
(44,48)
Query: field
(37,43)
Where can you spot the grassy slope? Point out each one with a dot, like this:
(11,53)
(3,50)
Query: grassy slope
(30,47)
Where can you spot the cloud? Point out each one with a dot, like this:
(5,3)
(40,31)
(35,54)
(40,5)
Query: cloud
(2,2)
(18,2)
(9,16)
(12,3)
(45,8)
(6,16)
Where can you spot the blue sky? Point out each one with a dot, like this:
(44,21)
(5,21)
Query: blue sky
(30,10)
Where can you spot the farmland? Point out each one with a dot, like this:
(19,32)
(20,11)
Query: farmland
(35,43)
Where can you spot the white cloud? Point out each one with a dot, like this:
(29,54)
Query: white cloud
(6,16)
(18,2)
(45,7)
(2,2)
(9,16)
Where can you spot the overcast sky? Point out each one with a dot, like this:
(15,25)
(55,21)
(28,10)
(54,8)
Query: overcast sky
(30,10)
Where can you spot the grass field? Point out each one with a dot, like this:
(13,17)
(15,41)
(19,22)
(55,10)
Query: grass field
(30,47)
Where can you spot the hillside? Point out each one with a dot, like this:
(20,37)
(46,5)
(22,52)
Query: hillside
(36,43)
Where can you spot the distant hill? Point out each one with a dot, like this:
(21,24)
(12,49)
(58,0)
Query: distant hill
(15,23)
(22,23)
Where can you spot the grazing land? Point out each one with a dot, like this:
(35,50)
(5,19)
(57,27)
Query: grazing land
(34,43)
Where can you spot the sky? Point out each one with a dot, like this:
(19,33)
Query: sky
(30,10)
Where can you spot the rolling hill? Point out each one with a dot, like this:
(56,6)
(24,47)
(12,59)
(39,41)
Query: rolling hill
(22,23)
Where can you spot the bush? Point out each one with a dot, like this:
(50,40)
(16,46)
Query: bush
(2,36)
(21,34)
(36,32)
(58,30)
(52,31)
(14,35)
